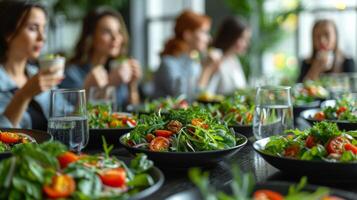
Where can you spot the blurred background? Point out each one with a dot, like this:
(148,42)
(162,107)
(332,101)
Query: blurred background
(281,29)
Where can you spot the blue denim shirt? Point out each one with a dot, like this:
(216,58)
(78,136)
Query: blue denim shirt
(76,74)
(176,76)
(7,86)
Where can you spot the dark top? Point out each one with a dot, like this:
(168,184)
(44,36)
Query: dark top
(348,65)
(39,120)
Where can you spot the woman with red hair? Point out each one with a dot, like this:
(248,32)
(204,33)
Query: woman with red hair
(180,71)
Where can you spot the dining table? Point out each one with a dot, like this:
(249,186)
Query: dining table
(247,160)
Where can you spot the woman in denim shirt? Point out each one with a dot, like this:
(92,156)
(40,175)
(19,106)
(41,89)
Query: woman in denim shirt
(24,96)
(103,39)
(181,71)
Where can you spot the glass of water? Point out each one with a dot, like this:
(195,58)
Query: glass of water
(273,111)
(103,96)
(68,118)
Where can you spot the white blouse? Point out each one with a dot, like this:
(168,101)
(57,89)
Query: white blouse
(228,78)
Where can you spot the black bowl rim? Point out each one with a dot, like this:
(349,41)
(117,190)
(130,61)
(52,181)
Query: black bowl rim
(257,148)
(302,114)
(185,153)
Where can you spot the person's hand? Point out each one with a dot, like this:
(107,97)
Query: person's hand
(44,80)
(213,60)
(120,74)
(136,71)
(97,77)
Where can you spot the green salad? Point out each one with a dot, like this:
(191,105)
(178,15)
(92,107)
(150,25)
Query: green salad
(235,110)
(9,140)
(50,171)
(166,104)
(308,92)
(242,188)
(101,116)
(188,130)
(345,109)
(324,141)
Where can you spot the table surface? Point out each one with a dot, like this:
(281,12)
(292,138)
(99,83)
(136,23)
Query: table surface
(248,161)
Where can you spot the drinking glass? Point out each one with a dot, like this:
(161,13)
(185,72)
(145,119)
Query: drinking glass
(68,118)
(273,111)
(103,96)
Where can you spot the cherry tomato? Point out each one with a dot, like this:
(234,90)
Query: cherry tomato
(267,195)
(351,147)
(319,116)
(67,158)
(312,91)
(239,118)
(105,114)
(163,133)
(149,137)
(249,118)
(9,138)
(340,110)
(336,145)
(159,144)
(183,104)
(130,122)
(62,186)
(115,123)
(113,177)
(199,122)
(292,151)
(310,141)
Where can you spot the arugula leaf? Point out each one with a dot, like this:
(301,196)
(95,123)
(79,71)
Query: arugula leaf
(323,131)
(141,163)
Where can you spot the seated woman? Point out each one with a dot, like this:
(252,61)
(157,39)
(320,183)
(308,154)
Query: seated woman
(180,71)
(232,39)
(24,96)
(104,39)
(326,56)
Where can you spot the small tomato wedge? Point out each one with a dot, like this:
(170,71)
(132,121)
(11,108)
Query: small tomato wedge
(159,144)
(67,158)
(163,133)
(292,151)
(319,116)
(9,138)
(131,122)
(341,109)
(351,147)
(310,141)
(267,195)
(113,177)
(149,137)
(336,145)
(62,186)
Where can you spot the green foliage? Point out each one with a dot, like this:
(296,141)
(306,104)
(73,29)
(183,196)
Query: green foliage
(76,10)
(266,26)
(243,184)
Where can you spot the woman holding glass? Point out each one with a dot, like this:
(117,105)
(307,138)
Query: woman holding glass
(232,39)
(181,71)
(96,62)
(326,56)
(24,90)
